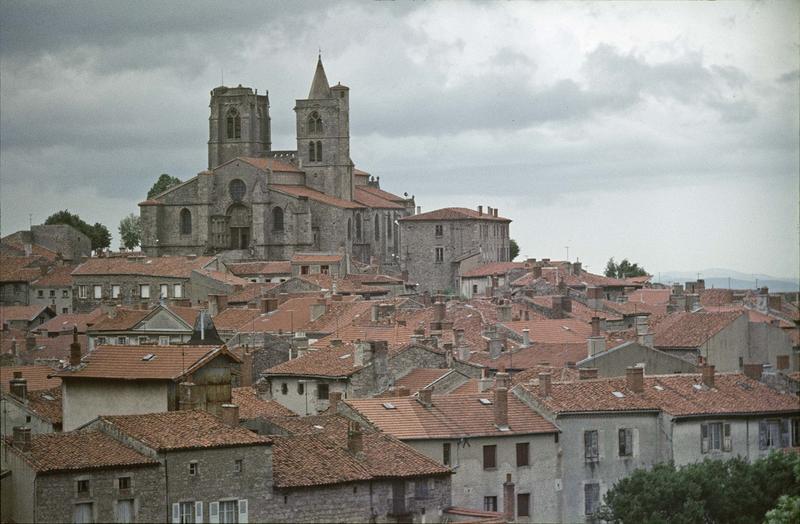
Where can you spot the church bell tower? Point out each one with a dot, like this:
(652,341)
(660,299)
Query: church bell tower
(239,124)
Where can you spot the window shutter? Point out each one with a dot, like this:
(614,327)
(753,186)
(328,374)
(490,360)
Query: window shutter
(213,512)
(726,437)
(198,511)
(621,440)
(176,513)
(762,434)
(704,438)
(243,511)
(785,433)
(629,441)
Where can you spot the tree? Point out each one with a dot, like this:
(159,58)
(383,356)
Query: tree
(710,491)
(130,231)
(513,249)
(624,269)
(98,233)
(163,183)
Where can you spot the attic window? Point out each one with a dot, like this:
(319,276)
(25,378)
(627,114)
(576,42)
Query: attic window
(659,388)
(389,405)
(485,401)
(618,394)
(148,357)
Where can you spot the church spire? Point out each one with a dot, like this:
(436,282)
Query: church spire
(319,86)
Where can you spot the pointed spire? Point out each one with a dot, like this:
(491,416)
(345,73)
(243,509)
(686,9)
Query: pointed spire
(319,86)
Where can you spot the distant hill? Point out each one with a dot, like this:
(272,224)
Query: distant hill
(724,278)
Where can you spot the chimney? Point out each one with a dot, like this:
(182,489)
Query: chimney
(458,337)
(753,371)
(526,337)
(361,353)
(247,368)
(374,313)
(480,210)
(18,386)
(380,362)
(504,312)
(489,210)
(708,375)
(230,415)
(594,297)
(557,306)
(494,212)
(402,391)
(22,438)
(595,326)
(634,379)
(318,309)
(536,271)
(265,305)
(300,343)
(355,439)
(282,297)
(75,349)
(501,407)
(14,347)
(485,382)
(419,210)
(783,362)
(30,342)
(501,378)
(596,345)
(425,396)
(508,499)
(463,353)
(334,397)
(577,267)
(213,305)
(439,309)
(545,385)
(587,373)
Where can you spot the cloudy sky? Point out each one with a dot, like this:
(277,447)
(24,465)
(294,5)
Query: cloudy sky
(664,132)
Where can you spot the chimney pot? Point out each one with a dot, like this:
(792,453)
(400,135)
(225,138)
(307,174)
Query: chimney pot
(708,375)
(634,379)
(75,349)
(18,386)
(230,415)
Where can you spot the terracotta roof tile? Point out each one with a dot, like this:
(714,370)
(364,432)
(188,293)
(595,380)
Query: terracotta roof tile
(372,200)
(79,451)
(251,406)
(382,194)
(27,313)
(66,321)
(58,276)
(454,213)
(493,269)
(172,266)
(420,378)
(313,460)
(553,331)
(691,330)
(47,404)
(173,430)
(221,276)
(298,258)
(553,354)
(278,267)
(344,285)
(251,292)
(303,191)
(37,377)
(20,269)
(232,319)
(272,164)
(650,296)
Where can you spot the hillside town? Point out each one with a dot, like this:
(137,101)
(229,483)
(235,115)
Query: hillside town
(293,343)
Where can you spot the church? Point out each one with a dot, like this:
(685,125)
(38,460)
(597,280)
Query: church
(254,202)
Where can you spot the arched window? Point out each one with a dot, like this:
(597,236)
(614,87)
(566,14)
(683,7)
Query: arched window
(186,222)
(377,227)
(312,152)
(358,226)
(319,151)
(237,189)
(314,123)
(233,124)
(277,219)
(349,228)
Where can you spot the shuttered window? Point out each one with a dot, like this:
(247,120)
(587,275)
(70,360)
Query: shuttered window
(591,497)
(625,442)
(591,446)
(489,457)
(523,452)
(523,504)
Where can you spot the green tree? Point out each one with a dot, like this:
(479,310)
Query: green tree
(711,491)
(130,231)
(163,183)
(624,269)
(98,233)
(513,249)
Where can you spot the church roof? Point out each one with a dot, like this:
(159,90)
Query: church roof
(370,199)
(320,88)
(313,194)
(271,164)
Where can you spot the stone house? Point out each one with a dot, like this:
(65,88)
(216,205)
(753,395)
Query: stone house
(17,274)
(127,380)
(135,281)
(504,454)
(333,264)
(59,241)
(438,246)
(25,318)
(162,325)
(262,271)
(54,289)
(30,397)
(480,280)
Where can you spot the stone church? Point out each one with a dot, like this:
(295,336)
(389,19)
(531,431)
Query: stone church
(257,203)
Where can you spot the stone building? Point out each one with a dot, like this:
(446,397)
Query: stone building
(255,202)
(59,240)
(54,289)
(437,247)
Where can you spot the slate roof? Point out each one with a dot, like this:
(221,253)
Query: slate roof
(171,266)
(454,213)
(691,330)
(80,451)
(251,406)
(450,416)
(192,429)
(37,376)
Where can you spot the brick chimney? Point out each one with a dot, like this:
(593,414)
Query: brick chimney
(508,499)
(545,385)
(402,391)
(75,349)
(594,297)
(22,438)
(501,407)
(501,378)
(426,397)
(708,375)
(587,373)
(634,379)
(504,312)
(334,397)
(361,353)
(318,309)
(18,386)
(230,415)
(355,438)
(526,337)
(753,371)
(439,310)
(557,306)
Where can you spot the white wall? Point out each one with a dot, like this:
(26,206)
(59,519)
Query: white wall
(84,400)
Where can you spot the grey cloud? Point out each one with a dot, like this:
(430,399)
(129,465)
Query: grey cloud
(790,78)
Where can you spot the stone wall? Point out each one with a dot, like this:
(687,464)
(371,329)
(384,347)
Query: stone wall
(129,295)
(64,239)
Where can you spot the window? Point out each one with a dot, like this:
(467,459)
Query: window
(83,488)
(52,293)
(421,489)
(304,270)
(64,310)
(523,504)
(446,453)
(773,434)
(233,124)
(65,293)
(319,151)
(591,498)
(358,226)
(144,290)
(40,293)
(277,219)
(325,270)
(284,388)
(389,226)
(715,436)
(163,340)
(121,341)
(314,123)
(124,483)
(301,388)
(194,468)
(489,457)
(186,222)
(474,289)
(591,447)
(100,341)
(795,432)
(312,152)
(83,513)
(83,291)
(237,189)
(439,254)
(322,391)
(144,339)
(238,465)
(124,511)
(349,229)
(187,512)
(377,227)
(163,291)
(177,291)
(625,442)
(523,452)
(115,289)
(490,503)
(228,511)
(439,228)
(98,291)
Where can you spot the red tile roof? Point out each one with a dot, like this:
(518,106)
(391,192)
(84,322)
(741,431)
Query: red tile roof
(650,296)
(691,330)
(58,276)
(66,321)
(419,378)
(20,269)
(450,416)
(80,451)
(46,403)
(27,313)
(369,199)
(313,460)
(553,331)
(278,267)
(303,191)
(344,285)
(174,430)
(454,213)
(172,266)
(272,164)
(251,406)
(37,376)
(493,269)
(558,355)
(221,276)
(382,194)
(233,318)
(250,293)
(316,257)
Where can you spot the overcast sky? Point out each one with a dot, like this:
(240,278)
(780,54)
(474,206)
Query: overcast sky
(664,132)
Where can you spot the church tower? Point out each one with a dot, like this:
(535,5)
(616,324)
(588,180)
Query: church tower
(323,137)
(239,124)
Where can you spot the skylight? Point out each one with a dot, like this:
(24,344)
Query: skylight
(148,357)
(659,388)
(485,401)
(345,356)
(48,397)
(317,426)
(389,405)
(697,387)
(618,394)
